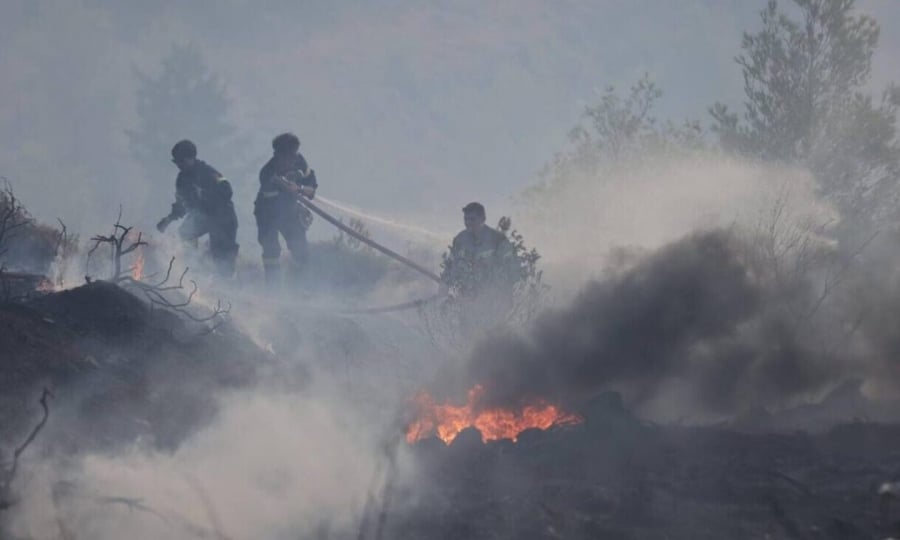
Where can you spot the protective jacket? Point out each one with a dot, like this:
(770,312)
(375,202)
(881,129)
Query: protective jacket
(203,198)
(298,172)
(481,261)
(201,188)
(278,212)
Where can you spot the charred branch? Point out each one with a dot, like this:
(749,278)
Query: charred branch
(159,294)
(10,474)
(13,215)
(65,247)
(156,295)
(171,518)
(121,244)
(62,239)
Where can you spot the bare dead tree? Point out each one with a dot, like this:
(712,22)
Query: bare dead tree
(10,473)
(176,296)
(120,245)
(789,254)
(64,249)
(63,238)
(13,215)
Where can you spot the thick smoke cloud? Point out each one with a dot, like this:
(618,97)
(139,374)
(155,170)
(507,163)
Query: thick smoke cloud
(411,128)
(694,312)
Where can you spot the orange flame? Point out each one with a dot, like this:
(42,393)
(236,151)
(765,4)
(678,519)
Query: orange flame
(447,420)
(137,270)
(45,286)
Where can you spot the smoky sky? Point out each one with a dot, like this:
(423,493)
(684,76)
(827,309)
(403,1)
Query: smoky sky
(408,109)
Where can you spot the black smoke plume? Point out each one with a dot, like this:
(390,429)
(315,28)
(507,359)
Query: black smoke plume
(693,312)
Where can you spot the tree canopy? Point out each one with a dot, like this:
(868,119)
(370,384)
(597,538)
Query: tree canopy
(805,74)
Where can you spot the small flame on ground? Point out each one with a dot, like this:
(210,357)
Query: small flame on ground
(137,270)
(447,420)
(45,286)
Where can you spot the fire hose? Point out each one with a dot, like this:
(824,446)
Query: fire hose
(366,240)
(394,307)
(381,249)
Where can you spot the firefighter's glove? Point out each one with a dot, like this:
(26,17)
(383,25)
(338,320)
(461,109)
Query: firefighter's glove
(308,191)
(283,184)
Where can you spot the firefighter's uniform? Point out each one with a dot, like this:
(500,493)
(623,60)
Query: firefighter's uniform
(203,199)
(481,271)
(478,263)
(278,211)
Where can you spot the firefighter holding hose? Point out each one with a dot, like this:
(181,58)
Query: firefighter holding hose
(277,210)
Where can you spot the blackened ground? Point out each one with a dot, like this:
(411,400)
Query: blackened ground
(122,373)
(119,371)
(616,477)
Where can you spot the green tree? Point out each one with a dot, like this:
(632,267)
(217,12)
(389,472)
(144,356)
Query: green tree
(184,101)
(617,129)
(804,80)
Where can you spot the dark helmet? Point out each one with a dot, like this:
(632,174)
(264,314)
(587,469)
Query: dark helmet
(184,150)
(474,208)
(286,143)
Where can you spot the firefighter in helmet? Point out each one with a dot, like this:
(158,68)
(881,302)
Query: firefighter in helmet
(282,179)
(203,199)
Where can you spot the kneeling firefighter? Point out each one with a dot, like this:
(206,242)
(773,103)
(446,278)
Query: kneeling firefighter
(285,176)
(203,199)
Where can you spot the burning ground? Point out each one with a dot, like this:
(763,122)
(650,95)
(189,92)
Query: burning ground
(701,317)
(614,476)
(699,390)
(790,444)
(717,357)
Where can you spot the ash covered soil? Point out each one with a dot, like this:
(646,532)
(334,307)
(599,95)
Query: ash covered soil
(120,369)
(126,373)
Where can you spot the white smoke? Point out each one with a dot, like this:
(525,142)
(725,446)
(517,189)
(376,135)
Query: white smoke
(579,223)
(273,465)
